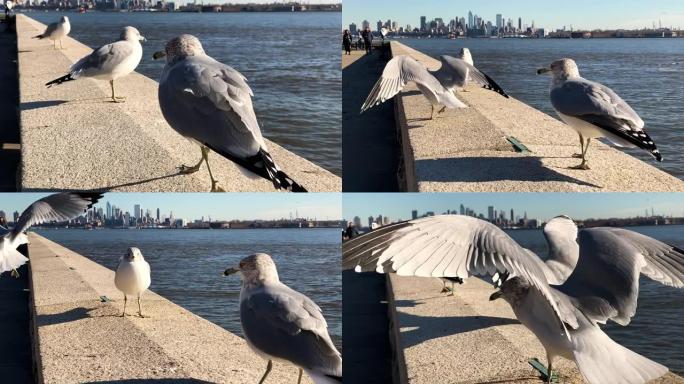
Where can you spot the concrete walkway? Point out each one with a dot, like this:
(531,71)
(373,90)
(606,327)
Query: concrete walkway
(80,338)
(466,150)
(74,138)
(465,338)
(370,146)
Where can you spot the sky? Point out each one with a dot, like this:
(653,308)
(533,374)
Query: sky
(223,206)
(541,206)
(581,14)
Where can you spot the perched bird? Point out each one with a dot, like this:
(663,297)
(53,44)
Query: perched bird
(55,31)
(594,110)
(210,103)
(132,276)
(282,324)
(562,301)
(109,62)
(58,207)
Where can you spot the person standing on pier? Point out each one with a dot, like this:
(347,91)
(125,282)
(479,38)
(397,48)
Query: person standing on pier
(347,42)
(367,39)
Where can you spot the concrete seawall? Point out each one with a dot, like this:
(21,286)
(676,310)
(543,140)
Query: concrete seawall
(72,137)
(467,150)
(78,337)
(465,338)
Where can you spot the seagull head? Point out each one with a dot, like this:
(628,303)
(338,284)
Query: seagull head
(180,47)
(563,68)
(512,290)
(257,268)
(465,55)
(132,34)
(64,19)
(134,254)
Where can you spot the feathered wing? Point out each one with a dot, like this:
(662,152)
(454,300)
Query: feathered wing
(102,60)
(449,246)
(606,278)
(561,235)
(467,71)
(599,105)
(48,31)
(402,70)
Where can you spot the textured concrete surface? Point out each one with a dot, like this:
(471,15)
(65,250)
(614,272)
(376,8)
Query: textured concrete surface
(465,338)
(466,150)
(80,339)
(75,138)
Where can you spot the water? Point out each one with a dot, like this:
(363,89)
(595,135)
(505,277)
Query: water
(657,330)
(647,73)
(291,61)
(187,265)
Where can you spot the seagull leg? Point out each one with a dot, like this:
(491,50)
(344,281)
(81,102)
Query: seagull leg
(579,155)
(299,380)
(584,165)
(114,98)
(60,44)
(444,287)
(124,311)
(432,115)
(268,370)
(442,110)
(184,169)
(14,273)
(205,156)
(549,371)
(140,308)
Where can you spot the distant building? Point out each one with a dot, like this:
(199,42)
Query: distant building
(365,24)
(352,28)
(414,214)
(490,213)
(379,25)
(357,222)
(423,23)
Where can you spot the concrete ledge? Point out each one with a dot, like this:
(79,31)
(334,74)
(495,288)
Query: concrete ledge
(74,138)
(78,338)
(466,150)
(464,338)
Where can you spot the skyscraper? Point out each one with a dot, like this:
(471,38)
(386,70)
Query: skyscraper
(136,212)
(357,222)
(512,216)
(352,28)
(379,25)
(471,21)
(423,24)
(109,210)
(499,22)
(519,23)
(414,214)
(157,214)
(365,24)
(462,210)
(490,212)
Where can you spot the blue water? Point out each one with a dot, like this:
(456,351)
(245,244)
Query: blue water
(187,265)
(291,61)
(647,73)
(657,329)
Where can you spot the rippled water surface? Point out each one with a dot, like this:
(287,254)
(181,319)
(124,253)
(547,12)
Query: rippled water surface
(291,60)
(657,329)
(647,73)
(187,265)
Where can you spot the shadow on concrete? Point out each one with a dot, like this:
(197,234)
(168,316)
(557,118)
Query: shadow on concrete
(41,104)
(484,169)
(109,187)
(371,151)
(142,381)
(64,317)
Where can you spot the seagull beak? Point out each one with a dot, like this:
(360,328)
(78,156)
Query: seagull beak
(495,295)
(158,55)
(542,71)
(231,271)
(142,38)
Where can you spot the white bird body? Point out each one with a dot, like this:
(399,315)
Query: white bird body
(132,276)
(126,65)
(62,28)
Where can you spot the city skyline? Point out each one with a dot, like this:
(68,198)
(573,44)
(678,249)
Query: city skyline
(191,206)
(579,206)
(582,14)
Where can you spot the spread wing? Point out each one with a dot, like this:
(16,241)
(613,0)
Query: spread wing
(58,207)
(606,278)
(462,71)
(449,246)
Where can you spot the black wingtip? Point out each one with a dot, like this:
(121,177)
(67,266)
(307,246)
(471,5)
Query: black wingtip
(59,80)
(94,197)
(657,155)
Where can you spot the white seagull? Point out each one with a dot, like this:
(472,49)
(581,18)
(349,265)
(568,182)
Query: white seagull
(58,207)
(210,104)
(108,62)
(132,276)
(55,31)
(280,323)
(594,110)
(562,301)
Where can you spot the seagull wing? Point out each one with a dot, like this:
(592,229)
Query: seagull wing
(449,246)
(462,70)
(402,70)
(58,207)
(286,324)
(597,104)
(102,60)
(561,235)
(50,29)
(606,278)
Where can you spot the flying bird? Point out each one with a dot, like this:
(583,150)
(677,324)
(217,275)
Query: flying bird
(58,207)
(562,301)
(108,62)
(210,103)
(132,277)
(594,110)
(55,31)
(283,324)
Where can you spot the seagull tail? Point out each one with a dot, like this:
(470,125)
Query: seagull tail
(493,86)
(10,259)
(279,178)
(602,360)
(41,36)
(59,80)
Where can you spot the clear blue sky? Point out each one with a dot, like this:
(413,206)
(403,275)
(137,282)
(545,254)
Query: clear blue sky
(581,14)
(220,206)
(538,205)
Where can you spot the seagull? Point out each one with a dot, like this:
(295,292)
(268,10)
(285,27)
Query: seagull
(58,207)
(456,72)
(132,276)
(562,301)
(383,33)
(452,280)
(280,323)
(108,62)
(594,110)
(55,31)
(210,103)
